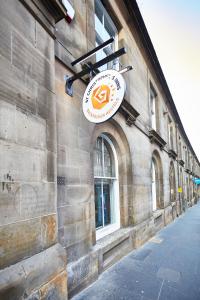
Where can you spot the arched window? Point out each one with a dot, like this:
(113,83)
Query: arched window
(154,187)
(172,183)
(107,214)
(157,182)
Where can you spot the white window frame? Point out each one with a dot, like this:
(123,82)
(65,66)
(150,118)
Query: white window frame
(101,232)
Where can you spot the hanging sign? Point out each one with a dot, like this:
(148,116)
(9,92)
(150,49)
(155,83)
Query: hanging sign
(103,96)
(180,190)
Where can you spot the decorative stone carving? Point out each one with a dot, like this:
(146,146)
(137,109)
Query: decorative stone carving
(156,138)
(172,153)
(129,113)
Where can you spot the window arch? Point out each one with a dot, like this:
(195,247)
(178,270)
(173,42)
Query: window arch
(172,182)
(157,182)
(106,186)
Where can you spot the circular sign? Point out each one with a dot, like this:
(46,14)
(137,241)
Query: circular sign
(103,96)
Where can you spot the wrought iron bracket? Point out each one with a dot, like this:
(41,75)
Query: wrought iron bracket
(92,68)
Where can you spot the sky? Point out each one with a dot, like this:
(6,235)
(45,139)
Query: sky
(174,29)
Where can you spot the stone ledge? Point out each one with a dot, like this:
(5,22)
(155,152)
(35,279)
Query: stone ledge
(110,241)
(156,138)
(129,113)
(26,277)
(158,213)
(181,162)
(172,153)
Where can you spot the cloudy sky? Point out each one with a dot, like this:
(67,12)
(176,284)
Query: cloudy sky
(174,28)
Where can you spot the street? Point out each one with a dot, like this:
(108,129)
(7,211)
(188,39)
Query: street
(166,267)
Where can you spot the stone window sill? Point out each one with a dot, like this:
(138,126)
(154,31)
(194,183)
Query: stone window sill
(157,213)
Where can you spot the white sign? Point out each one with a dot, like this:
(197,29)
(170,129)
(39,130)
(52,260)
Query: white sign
(103,96)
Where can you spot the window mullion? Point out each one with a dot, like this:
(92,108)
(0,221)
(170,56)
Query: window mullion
(102,202)
(103,161)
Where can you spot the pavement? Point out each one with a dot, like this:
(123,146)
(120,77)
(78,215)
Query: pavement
(165,268)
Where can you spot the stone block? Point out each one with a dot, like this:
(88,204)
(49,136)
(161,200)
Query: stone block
(67,135)
(76,250)
(23,201)
(71,174)
(44,43)
(84,139)
(30,130)
(82,272)
(36,199)
(10,205)
(70,235)
(62,198)
(16,87)
(35,276)
(79,193)
(74,37)
(51,166)
(21,163)
(55,289)
(19,17)
(26,58)
(46,108)
(19,240)
(7,121)
(70,214)
(83,230)
(5,38)
(48,230)
(62,155)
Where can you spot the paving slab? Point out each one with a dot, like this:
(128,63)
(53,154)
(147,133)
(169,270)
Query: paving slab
(165,268)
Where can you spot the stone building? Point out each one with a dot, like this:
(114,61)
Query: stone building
(76,196)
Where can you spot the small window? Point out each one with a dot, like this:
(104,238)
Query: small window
(180,148)
(153,104)
(157,183)
(172,183)
(154,187)
(106,187)
(105,29)
(171,134)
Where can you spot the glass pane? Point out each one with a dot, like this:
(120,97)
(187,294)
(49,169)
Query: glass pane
(154,186)
(98,205)
(109,27)
(98,11)
(108,159)
(106,201)
(98,158)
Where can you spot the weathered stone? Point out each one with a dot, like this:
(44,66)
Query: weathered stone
(23,201)
(5,37)
(15,164)
(16,87)
(55,289)
(19,240)
(30,130)
(19,17)
(82,272)
(19,280)
(44,42)
(48,230)
(31,62)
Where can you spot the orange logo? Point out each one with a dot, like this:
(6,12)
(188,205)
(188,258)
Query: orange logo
(100,96)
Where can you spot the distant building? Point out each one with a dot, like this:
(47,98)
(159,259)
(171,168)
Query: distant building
(76,196)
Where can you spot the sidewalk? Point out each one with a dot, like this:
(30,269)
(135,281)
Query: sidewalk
(165,268)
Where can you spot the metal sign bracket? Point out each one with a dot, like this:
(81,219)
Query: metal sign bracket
(92,69)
